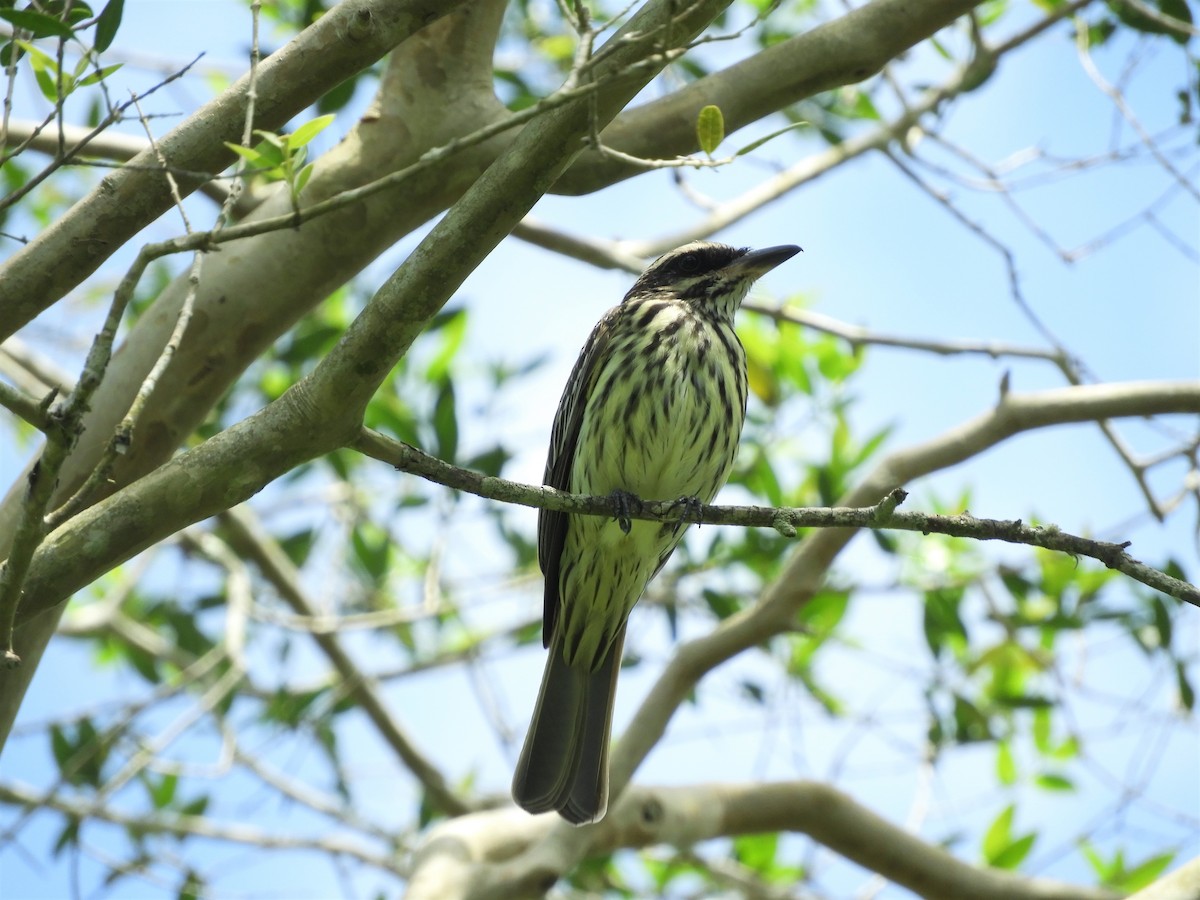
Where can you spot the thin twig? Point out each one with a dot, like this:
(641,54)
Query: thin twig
(69,154)
(258,547)
(1118,101)
(858,336)
(196,826)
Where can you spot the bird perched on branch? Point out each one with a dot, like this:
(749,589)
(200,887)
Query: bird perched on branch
(653,410)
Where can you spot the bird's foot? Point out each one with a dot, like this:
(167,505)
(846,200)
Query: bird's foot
(690,509)
(626,503)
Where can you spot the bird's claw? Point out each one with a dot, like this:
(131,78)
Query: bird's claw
(690,509)
(626,503)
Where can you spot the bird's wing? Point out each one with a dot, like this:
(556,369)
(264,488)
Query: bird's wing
(552,526)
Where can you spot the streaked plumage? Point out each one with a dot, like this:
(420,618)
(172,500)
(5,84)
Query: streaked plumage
(653,408)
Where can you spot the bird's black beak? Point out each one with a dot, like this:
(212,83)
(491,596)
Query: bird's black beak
(758,263)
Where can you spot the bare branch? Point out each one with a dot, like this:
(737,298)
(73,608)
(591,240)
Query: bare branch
(196,826)
(784,520)
(25,407)
(858,336)
(843,51)
(1118,100)
(274,564)
(508,853)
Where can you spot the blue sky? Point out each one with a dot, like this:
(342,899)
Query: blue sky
(878,252)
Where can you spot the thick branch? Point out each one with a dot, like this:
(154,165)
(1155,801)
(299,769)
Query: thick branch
(476,857)
(847,50)
(323,411)
(346,40)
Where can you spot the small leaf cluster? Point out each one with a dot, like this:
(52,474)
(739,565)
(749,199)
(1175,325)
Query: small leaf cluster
(61,21)
(281,157)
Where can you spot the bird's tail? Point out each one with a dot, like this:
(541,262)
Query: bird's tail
(564,763)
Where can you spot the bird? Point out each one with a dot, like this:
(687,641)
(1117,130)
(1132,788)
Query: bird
(653,410)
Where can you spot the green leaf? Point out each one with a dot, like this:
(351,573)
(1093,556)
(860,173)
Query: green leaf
(1041,730)
(247,153)
(309,130)
(279,142)
(1052,781)
(1162,620)
(11,54)
(336,98)
(1024,701)
(1139,21)
(445,422)
(722,604)
(196,807)
(490,462)
(1014,854)
(45,70)
(99,75)
(999,834)
(971,724)
(756,851)
(302,179)
(1103,870)
(298,545)
(824,612)
(710,128)
(77,12)
(162,793)
(1068,749)
(762,480)
(193,887)
(453,328)
(107,24)
(1143,875)
(60,746)
(1187,694)
(944,628)
(754,145)
(1006,764)
(289,707)
(372,550)
(38,24)
(68,836)
(1000,849)
(271,151)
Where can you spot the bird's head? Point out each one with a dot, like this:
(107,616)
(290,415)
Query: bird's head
(714,278)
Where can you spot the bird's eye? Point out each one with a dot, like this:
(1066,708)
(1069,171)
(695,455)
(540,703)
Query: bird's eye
(689,264)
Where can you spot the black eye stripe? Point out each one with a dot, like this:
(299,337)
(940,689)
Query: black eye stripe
(678,269)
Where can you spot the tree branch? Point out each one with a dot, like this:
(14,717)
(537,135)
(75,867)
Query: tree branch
(194,826)
(843,51)
(1034,410)
(507,853)
(346,40)
(275,566)
(323,410)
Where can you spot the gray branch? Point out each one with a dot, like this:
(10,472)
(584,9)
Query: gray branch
(506,853)
(785,520)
